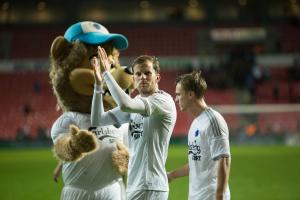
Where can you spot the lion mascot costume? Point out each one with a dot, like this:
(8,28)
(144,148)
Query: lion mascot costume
(93,159)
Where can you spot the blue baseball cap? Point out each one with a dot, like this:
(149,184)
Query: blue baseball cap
(95,34)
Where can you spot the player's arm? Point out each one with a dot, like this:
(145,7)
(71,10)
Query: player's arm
(57,171)
(98,116)
(218,140)
(180,172)
(124,101)
(223,176)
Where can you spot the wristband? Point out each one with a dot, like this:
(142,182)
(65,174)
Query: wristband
(98,89)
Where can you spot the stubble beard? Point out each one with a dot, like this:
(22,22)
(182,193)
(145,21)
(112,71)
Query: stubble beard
(145,91)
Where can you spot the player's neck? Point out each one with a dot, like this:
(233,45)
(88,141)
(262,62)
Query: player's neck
(198,107)
(148,93)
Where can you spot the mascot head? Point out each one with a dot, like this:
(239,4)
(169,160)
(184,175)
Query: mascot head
(71,72)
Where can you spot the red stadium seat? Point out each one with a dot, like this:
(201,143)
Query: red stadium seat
(19,90)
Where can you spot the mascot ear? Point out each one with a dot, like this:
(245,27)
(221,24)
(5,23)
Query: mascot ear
(59,47)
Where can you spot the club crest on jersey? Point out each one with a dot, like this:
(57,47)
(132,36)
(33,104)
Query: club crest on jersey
(197,132)
(195,151)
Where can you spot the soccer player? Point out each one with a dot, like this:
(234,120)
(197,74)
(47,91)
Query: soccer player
(208,154)
(151,116)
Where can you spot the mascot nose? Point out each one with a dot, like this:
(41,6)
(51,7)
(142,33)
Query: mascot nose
(128,70)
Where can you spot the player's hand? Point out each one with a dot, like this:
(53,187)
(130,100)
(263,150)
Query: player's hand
(57,172)
(97,71)
(105,63)
(170,177)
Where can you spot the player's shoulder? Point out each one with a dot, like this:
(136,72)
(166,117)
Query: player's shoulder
(214,118)
(211,116)
(210,112)
(162,95)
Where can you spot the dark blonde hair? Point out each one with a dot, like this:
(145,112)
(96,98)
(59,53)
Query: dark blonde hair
(193,82)
(143,58)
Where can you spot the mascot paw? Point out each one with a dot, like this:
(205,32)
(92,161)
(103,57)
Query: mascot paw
(82,140)
(73,146)
(120,158)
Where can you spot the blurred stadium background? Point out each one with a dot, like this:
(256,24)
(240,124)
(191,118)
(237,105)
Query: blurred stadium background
(249,51)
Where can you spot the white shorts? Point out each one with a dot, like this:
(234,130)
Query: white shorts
(115,191)
(210,196)
(147,195)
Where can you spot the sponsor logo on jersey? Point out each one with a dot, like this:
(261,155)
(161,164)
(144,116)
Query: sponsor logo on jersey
(136,129)
(195,151)
(103,132)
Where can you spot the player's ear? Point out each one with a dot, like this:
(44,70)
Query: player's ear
(158,77)
(191,94)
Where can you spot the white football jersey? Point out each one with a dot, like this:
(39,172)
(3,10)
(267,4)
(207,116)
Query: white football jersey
(148,142)
(95,170)
(208,140)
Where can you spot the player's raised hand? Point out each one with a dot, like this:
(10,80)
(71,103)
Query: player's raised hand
(97,71)
(105,63)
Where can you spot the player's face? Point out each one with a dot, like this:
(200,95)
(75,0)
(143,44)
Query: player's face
(145,78)
(181,97)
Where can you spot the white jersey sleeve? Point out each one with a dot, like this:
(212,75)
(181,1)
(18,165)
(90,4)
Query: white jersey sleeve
(114,117)
(158,104)
(124,101)
(218,135)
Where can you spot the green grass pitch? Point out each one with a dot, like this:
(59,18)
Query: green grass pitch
(257,172)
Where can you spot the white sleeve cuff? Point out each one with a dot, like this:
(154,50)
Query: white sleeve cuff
(98,89)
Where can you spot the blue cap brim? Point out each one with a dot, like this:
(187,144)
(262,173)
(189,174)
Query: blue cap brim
(119,41)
